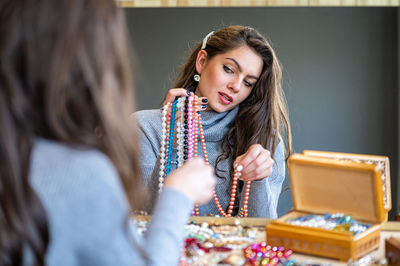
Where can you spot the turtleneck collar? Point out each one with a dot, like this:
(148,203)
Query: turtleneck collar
(216,125)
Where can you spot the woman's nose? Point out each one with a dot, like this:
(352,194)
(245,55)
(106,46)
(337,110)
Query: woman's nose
(234,84)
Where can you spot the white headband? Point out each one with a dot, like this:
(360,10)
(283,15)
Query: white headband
(206,39)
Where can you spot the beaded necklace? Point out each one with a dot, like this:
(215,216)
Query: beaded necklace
(180,133)
(188,128)
(164,146)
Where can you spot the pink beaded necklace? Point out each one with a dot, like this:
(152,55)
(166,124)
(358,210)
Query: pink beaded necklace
(194,125)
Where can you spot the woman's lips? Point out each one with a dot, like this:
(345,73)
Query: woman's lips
(225,98)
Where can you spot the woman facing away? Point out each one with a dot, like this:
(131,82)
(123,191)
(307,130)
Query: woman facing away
(237,77)
(66,192)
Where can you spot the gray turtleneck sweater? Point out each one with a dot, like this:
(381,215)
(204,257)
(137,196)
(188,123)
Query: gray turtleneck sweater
(264,194)
(88,213)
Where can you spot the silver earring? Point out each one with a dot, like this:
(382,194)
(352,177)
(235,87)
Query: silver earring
(196,77)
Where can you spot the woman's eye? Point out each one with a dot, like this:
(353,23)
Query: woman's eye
(227,69)
(248,84)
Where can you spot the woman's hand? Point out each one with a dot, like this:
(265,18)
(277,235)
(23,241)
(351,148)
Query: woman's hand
(256,162)
(195,179)
(179,92)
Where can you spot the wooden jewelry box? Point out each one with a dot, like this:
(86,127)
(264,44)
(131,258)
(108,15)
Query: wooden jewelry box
(381,162)
(324,182)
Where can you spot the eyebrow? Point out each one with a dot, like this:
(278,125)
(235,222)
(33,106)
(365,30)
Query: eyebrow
(240,69)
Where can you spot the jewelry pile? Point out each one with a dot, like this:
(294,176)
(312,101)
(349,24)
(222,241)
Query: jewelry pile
(183,116)
(211,244)
(229,237)
(230,245)
(336,221)
(263,254)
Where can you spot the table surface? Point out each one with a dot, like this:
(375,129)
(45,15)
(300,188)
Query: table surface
(389,229)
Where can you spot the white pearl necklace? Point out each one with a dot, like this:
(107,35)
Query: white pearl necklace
(162,149)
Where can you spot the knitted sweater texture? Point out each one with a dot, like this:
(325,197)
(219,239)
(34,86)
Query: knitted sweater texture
(264,194)
(88,213)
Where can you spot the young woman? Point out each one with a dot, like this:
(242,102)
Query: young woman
(69,171)
(237,77)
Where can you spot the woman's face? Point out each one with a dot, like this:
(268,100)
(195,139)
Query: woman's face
(227,79)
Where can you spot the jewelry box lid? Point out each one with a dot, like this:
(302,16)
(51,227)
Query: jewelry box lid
(382,162)
(322,185)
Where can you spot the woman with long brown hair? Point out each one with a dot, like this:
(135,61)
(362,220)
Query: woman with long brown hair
(237,77)
(69,171)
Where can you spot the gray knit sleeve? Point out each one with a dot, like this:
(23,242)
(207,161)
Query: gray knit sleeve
(88,212)
(116,247)
(85,206)
(166,232)
(148,142)
(149,124)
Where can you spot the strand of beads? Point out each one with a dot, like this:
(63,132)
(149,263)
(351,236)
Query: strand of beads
(171,137)
(236,175)
(196,115)
(188,129)
(164,146)
(246,198)
(195,125)
(180,133)
(202,140)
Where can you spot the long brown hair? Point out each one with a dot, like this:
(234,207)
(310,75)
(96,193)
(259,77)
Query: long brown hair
(263,117)
(64,74)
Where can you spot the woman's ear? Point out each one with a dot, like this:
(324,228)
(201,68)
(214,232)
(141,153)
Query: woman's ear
(201,60)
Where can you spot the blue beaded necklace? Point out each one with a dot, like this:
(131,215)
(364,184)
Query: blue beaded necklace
(171,138)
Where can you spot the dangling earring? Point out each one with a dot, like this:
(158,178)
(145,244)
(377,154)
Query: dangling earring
(196,77)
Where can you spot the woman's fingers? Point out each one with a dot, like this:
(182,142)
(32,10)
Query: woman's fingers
(256,163)
(201,102)
(258,169)
(173,93)
(195,179)
(250,155)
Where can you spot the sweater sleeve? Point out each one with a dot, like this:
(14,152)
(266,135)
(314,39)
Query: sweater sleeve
(275,180)
(114,244)
(149,124)
(166,232)
(89,216)
(148,148)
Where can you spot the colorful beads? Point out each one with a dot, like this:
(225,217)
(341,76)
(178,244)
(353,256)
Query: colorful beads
(171,138)
(180,133)
(188,129)
(221,236)
(210,244)
(263,254)
(336,221)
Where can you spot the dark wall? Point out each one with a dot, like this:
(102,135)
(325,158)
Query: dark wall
(339,64)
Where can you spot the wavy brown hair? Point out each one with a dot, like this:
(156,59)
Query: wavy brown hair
(64,74)
(263,117)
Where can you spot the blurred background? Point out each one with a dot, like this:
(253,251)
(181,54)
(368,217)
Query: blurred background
(340,70)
